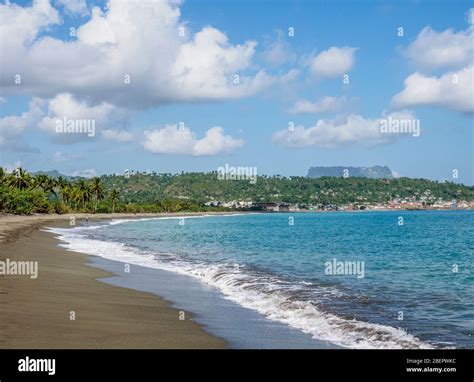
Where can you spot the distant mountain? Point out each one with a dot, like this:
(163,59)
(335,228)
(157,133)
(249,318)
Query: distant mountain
(55,174)
(375,172)
(158,188)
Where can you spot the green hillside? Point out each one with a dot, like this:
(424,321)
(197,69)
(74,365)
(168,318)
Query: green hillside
(21,192)
(203,187)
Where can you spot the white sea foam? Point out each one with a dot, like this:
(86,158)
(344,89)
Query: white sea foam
(266,294)
(177,217)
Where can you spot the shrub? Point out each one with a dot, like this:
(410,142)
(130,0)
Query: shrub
(27,202)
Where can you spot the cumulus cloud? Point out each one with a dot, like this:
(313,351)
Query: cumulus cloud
(66,110)
(323,105)
(448,50)
(352,129)
(86,120)
(453,90)
(132,54)
(173,140)
(65,106)
(278,52)
(21,25)
(74,7)
(333,62)
(207,67)
(127,55)
(12,126)
(470,16)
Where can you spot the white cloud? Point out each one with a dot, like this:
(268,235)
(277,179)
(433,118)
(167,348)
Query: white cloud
(135,40)
(64,107)
(12,126)
(333,62)
(470,16)
(206,66)
(74,7)
(215,142)
(20,26)
(174,140)
(447,49)
(86,173)
(45,114)
(278,52)
(453,90)
(323,105)
(117,135)
(353,129)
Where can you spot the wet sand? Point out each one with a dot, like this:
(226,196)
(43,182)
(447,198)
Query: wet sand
(36,313)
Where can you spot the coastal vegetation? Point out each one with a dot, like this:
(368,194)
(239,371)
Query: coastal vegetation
(25,193)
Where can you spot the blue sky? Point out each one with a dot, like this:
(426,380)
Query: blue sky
(189,79)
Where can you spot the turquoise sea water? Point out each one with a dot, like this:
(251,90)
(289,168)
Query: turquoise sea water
(416,289)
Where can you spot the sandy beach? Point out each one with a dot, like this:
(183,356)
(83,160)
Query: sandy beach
(36,313)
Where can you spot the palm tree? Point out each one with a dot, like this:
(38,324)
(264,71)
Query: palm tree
(50,186)
(76,196)
(113,195)
(61,184)
(20,179)
(84,191)
(46,183)
(98,190)
(66,194)
(39,180)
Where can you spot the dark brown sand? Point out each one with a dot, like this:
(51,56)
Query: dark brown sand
(36,313)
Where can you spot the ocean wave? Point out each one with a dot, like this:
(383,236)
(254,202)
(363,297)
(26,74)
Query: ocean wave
(177,217)
(112,222)
(272,297)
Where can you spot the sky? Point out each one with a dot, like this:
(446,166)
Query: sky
(90,88)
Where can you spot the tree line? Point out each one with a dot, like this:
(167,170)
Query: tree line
(24,193)
(204,187)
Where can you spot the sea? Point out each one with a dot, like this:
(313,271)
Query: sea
(364,280)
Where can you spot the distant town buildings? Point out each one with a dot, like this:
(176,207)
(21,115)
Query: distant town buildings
(410,203)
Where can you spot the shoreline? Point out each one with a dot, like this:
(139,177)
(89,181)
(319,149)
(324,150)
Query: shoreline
(211,321)
(12,225)
(25,232)
(68,306)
